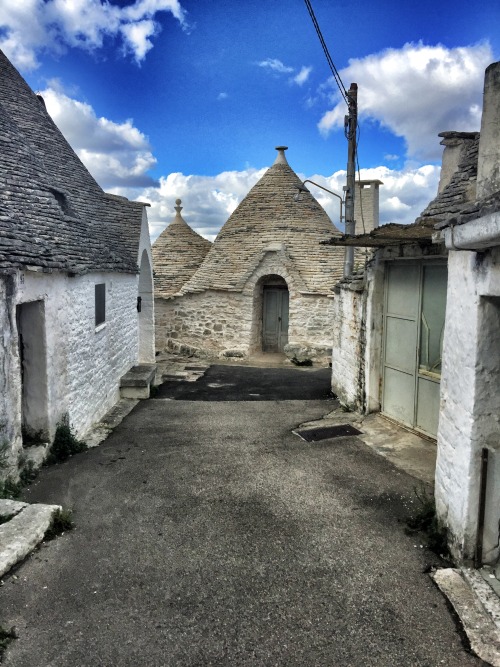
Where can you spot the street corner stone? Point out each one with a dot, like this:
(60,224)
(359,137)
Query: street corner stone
(483,634)
(20,535)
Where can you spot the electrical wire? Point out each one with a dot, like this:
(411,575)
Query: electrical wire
(336,75)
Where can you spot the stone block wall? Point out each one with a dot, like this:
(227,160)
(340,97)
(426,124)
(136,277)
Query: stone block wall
(206,324)
(310,328)
(216,323)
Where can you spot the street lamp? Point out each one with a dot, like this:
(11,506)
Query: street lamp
(302,188)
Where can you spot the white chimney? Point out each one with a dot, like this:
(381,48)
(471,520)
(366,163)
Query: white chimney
(366,206)
(488,162)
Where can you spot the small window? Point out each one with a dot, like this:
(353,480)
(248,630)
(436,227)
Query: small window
(62,200)
(100,304)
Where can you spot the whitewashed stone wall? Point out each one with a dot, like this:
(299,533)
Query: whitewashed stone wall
(146,319)
(84,364)
(357,337)
(10,379)
(470,402)
(348,348)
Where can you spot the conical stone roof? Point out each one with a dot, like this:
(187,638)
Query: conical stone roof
(177,253)
(267,217)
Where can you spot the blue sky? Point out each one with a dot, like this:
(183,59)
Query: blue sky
(165,98)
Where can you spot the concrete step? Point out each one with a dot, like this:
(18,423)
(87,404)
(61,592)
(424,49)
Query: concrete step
(136,383)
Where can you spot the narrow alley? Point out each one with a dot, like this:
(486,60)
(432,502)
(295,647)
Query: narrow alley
(208,533)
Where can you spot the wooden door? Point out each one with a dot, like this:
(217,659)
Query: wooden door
(275,319)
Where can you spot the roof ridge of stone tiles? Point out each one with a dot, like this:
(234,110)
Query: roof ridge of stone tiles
(269,214)
(461,190)
(177,254)
(52,197)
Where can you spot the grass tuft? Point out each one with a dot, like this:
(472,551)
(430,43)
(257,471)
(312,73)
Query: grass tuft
(65,443)
(425,521)
(62,521)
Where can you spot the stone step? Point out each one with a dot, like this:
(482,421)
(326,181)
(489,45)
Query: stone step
(136,383)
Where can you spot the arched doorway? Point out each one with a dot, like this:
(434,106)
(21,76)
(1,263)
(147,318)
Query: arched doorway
(275,304)
(145,312)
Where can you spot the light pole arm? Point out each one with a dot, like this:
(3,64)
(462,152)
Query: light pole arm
(303,188)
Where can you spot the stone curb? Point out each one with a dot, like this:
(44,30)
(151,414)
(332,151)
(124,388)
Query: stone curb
(21,534)
(469,601)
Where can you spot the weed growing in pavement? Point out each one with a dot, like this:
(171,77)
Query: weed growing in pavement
(425,521)
(65,443)
(6,636)
(62,521)
(9,489)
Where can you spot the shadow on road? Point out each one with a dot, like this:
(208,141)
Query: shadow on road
(243,383)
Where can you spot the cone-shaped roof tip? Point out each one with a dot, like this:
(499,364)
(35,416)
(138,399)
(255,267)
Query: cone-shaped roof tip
(178,206)
(280,158)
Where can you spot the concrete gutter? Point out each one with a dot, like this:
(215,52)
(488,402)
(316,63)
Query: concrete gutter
(23,531)
(478,234)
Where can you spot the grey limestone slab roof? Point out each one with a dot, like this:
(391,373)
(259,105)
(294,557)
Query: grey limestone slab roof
(53,214)
(177,254)
(269,217)
(453,201)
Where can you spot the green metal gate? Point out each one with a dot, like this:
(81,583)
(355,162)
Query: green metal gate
(414,315)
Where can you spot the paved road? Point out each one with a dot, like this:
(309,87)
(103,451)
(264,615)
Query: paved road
(209,534)
(246,383)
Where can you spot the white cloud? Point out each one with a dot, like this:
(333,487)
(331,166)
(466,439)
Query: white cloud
(116,154)
(222,96)
(302,76)
(32,25)
(275,65)
(416,92)
(137,37)
(208,201)
(119,156)
(403,196)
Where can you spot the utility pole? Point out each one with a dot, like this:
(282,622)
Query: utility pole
(350,127)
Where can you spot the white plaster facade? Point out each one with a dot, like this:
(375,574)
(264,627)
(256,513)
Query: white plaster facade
(467,213)
(71,367)
(470,400)
(467,492)
(76,284)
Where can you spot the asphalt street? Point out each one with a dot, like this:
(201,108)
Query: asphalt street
(247,383)
(207,533)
